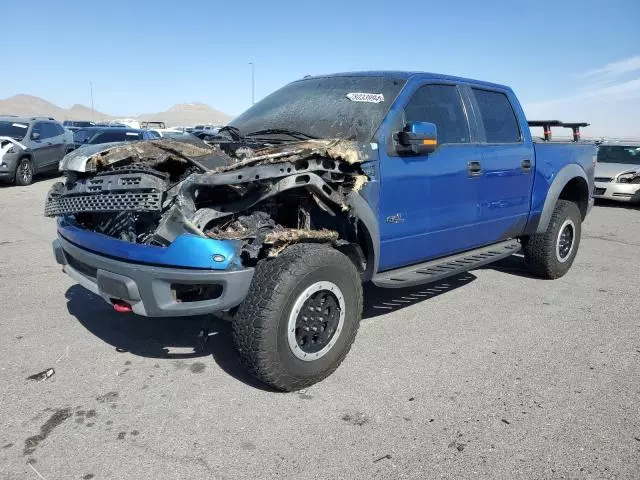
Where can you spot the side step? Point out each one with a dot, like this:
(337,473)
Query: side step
(435,270)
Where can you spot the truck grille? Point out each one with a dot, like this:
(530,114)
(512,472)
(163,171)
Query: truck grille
(109,202)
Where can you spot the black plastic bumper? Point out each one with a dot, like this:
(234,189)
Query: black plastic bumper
(148,289)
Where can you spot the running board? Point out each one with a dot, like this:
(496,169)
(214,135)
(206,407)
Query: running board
(435,270)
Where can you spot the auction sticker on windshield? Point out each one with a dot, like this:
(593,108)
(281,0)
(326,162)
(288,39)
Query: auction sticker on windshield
(366,97)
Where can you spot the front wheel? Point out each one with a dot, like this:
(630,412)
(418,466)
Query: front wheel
(24,172)
(300,317)
(551,254)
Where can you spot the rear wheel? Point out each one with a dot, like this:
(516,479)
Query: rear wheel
(300,317)
(24,172)
(551,254)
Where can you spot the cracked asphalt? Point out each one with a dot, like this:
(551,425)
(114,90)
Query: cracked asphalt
(491,374)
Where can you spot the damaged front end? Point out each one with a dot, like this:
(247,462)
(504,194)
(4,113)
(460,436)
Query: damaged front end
(261,197)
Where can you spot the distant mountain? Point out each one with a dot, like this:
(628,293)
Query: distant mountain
(182,114)
(188,114)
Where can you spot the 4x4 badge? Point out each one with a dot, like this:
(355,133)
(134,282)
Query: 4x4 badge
(397,218)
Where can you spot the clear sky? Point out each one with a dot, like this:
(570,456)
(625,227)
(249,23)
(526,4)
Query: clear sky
(572,60)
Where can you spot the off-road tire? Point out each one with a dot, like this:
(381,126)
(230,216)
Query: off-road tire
(540,249)
(20,179)
(260,327)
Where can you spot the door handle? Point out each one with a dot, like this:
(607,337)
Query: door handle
(525,166)
(474,169)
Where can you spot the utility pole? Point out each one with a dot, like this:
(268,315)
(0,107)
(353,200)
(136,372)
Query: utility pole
(91,88)
(253,83)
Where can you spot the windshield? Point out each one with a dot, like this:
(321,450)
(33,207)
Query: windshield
(629,155)
(15,130)
(328,107)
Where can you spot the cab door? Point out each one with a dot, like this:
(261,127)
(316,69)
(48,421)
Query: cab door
(429,204)
(507,163)
(42,147)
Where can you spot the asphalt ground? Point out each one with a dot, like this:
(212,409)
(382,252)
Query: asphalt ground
(492,374)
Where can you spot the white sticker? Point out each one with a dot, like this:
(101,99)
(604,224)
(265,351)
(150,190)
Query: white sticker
(20,125)
(366,97)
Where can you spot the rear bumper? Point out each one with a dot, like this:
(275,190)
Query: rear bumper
(149,289)
(621,192)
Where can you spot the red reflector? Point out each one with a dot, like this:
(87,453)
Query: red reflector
(122,307)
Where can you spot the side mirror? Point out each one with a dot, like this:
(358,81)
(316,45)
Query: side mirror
(35,136)
(417,138)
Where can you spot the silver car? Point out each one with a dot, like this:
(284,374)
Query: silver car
(31,145)
(618,172)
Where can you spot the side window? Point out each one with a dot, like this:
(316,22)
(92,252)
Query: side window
(107,137)
(48,130)
(37,128)
(59,129)
(499,119)
(442,105)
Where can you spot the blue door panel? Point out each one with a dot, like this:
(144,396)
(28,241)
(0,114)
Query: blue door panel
(429,205)
(506,190)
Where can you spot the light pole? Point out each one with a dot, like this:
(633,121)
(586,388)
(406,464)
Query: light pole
(253,83)
(91,88)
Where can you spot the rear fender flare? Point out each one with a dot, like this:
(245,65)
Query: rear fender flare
(564,176)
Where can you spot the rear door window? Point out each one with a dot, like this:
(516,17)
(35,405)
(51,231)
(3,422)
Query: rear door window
(499,119)
(48,130)
(109,136)
(442,105)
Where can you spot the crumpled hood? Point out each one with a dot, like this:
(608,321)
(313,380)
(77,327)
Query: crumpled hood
(6,143)
(89,157)
(76,161)
(611,170)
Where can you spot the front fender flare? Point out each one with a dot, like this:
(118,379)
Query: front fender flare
(362,210)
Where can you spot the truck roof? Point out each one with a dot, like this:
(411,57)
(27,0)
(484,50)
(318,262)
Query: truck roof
(405,75)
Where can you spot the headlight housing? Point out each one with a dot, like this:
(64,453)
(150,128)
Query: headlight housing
(629,177)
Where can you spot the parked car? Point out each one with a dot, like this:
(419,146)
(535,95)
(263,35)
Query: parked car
(168,132)
(74,125)
(395,178)
(618,172)
(31,145)
(151,124)
(96,135)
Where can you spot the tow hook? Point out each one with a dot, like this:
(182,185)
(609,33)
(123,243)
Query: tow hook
(121,307)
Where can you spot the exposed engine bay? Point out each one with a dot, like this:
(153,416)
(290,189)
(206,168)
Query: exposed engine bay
(266,196)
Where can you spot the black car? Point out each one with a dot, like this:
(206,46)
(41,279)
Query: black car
(75,125)
(94,135)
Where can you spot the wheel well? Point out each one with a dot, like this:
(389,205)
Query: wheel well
(577,191)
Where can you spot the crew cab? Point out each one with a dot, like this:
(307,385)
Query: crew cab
(396,178)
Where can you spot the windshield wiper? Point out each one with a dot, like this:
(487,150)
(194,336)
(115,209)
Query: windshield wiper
(282,131)
(233,132)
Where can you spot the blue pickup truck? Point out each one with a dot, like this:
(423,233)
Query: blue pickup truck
(395,178)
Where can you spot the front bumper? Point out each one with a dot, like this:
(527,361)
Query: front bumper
(8,166)
(149,289)
(621,192)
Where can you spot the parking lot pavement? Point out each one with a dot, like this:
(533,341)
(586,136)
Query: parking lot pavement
(492,374)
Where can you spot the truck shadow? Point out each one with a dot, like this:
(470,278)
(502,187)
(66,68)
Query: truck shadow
(174,339)
(513,265)
(381,301)
(170,339)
